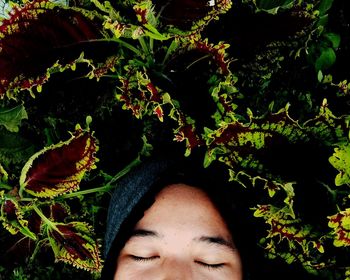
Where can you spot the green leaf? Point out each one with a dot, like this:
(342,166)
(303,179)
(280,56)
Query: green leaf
(3,175)
(324,6)
(61,2)
(341,161)
(154,33)
(170,50)
(326,59)
(11,117)
(323,20)
(272,6)
(334,39)
(14,149)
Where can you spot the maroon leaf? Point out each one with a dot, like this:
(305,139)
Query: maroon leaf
(59,168)
(72,243)
(34,38)
(11,215)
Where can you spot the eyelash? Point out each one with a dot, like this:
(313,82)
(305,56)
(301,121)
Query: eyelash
(142,259)
(210,266)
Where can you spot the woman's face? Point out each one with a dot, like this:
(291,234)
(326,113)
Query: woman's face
(181,236)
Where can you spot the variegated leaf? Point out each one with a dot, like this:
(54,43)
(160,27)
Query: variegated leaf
(340,223)
(246,146)
(326,127)
(36,36)
(72,243)
(59,168)
(341,161)
(290,238)
(271,144)
(12,217)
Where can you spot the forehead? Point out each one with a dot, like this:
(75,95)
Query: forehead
(186,207)
(182,193)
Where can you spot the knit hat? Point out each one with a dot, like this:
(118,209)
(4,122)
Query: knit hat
(127,195)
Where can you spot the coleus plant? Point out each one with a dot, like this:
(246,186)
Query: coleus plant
(53,171)
(151,56)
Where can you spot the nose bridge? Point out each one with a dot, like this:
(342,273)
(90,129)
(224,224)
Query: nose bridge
(176,268)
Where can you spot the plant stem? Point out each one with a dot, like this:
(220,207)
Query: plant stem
(37,248)
(94,190)
(170,50)
(44,218)
(5,186)
(111,76)
(333,193)
(119,41)
(146,50)
(26,199)
(109,185)
(128,46)
(20,192)
(151,44)
(197,60)
(123,172)
(144,46)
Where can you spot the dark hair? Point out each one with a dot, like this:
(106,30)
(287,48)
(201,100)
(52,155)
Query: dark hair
(184,172)
(233,203)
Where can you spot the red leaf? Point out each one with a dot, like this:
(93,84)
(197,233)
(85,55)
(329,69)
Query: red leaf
(11,215)
(72,244)
(34,38)
(59,169)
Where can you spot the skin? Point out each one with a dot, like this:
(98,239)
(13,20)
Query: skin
(181,236)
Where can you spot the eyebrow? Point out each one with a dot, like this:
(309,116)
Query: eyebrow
(144,233)
(218,241)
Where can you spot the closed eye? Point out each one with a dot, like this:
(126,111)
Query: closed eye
(210,266)
(143,259)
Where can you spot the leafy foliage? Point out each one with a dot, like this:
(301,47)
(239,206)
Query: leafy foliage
(55,170)
(340,223)
(14,148)
(71,243)
(11,118)
(340,160)
(59,169)
(247,84)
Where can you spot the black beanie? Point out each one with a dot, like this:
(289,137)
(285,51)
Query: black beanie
(127,195)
